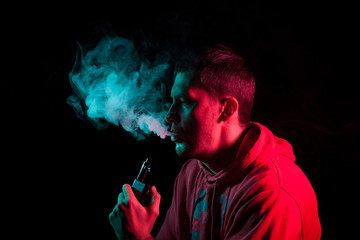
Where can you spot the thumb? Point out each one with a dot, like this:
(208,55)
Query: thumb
(155,200)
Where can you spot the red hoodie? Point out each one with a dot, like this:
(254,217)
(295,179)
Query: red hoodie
(261,195)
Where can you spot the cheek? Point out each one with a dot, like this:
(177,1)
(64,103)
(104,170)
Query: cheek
(191,125)
(203,121)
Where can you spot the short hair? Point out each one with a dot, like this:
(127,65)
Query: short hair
(223,72)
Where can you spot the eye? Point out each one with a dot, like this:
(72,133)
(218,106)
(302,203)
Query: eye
(186,101)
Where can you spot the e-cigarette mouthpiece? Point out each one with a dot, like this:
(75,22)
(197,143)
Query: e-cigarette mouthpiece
(140,187)
(144,171)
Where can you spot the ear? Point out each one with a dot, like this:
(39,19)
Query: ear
(229,106)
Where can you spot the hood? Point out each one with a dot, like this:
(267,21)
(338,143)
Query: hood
(258,144)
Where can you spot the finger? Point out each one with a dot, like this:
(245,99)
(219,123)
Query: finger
(121,197)
(111,215)
(155,200)
(116,212)
(128,193)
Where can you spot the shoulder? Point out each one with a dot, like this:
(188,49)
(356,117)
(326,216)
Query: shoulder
(188,173)
(273,182)
(282,174)
(293,182)
(278,199)
(191,166)
(280,191)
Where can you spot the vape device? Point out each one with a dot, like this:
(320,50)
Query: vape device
(140,187)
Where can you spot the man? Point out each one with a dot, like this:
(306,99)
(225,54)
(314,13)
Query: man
(241,181)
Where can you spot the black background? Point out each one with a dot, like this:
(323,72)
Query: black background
(66,175)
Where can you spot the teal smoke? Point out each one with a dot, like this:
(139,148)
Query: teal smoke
(115,83)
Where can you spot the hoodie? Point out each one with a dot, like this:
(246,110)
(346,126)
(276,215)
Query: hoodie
(262,194)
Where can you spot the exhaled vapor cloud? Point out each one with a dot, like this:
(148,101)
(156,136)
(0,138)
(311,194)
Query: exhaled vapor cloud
(115,83)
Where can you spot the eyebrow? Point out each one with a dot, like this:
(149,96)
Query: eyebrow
(182,95)
(178,96)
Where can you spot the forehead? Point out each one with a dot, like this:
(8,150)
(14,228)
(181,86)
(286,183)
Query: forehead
(184,81)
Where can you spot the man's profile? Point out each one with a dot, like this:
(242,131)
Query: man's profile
(240,181)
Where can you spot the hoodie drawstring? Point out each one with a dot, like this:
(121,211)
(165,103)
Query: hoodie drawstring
(212,211)
(194,197)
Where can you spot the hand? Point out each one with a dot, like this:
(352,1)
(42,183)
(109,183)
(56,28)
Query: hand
(116,218)
(129,217)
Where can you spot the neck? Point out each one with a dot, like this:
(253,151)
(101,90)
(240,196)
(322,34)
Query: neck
(226,154)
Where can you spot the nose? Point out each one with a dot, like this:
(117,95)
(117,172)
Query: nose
(171,115)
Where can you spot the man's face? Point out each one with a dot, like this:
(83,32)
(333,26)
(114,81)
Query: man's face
(194,118)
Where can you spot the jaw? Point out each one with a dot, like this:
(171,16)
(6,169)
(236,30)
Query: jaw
(192,150)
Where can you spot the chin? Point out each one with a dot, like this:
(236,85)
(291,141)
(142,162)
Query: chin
(180,149)
(183,150)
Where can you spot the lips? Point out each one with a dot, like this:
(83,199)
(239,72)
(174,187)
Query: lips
(176,136)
